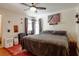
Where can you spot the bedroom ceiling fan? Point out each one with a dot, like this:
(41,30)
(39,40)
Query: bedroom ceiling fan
(33,7)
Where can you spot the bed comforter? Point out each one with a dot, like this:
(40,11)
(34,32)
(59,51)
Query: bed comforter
(46,45)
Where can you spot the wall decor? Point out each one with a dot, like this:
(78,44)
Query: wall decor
(8,30)
(9,21)
(21,18)
(77,22)
(54,19)
(77,16)
(21,22)
(15,28)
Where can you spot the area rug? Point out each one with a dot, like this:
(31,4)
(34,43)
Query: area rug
(24,54)
(18,51)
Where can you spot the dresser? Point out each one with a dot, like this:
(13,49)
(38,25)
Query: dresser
(72,48)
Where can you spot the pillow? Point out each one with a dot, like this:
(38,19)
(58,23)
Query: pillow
(60,32)
(54,32)
(47,32)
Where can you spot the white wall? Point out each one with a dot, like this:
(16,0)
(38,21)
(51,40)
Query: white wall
(67,22)
(77,26)
(15,19)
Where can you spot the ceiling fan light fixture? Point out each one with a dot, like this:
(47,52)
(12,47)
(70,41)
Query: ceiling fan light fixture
(33,9)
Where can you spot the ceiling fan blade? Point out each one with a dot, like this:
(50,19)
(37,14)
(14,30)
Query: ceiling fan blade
(43,8)
(25,4)
(26,9)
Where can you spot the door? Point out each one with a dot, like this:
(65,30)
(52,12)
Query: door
(0,31)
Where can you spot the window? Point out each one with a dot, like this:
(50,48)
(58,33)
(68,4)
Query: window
(33,26)
(37,27)
(29,26)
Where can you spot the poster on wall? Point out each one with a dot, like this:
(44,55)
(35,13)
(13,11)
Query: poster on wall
(54,19)
(15,28)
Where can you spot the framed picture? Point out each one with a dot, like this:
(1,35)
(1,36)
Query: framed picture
(15,28)
(54,19)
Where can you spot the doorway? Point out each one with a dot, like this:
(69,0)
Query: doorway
(0,30)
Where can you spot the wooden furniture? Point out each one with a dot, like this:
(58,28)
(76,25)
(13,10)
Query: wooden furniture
(20,36)
(73,48)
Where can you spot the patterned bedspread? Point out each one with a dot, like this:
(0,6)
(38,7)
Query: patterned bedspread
(46,44)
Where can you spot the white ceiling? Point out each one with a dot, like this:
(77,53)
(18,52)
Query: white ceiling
(50,7)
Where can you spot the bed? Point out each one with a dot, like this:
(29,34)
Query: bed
(48,43)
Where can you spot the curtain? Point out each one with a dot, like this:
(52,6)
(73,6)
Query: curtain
(33,26)
(26,25)
(40,25)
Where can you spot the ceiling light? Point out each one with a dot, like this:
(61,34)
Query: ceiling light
(33,9)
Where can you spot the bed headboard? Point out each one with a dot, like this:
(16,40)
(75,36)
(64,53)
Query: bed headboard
(55,32)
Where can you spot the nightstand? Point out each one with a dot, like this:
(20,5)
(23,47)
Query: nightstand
(73,48)
(20,37)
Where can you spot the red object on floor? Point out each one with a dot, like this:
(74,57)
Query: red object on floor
(24,54)
(17,51)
